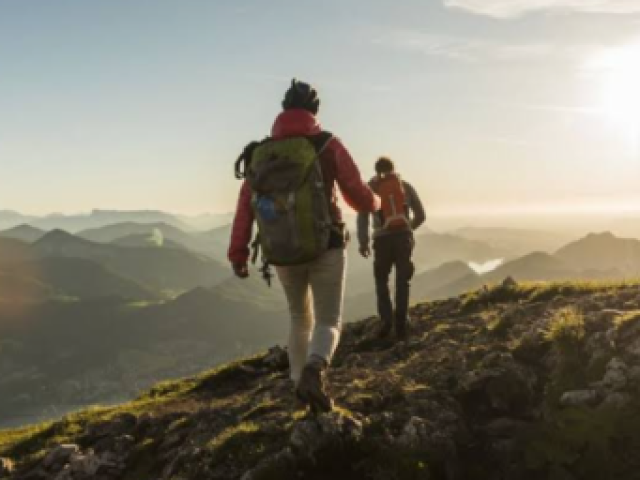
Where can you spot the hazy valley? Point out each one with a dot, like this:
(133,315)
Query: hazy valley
(97,315)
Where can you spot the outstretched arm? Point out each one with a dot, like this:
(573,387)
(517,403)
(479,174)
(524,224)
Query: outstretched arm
(363,229)
(356,193)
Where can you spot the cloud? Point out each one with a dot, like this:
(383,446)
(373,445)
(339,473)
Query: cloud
(474,49)
(504,9)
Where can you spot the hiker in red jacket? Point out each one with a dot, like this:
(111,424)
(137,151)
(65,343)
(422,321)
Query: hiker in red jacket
(401,213)
(314,288)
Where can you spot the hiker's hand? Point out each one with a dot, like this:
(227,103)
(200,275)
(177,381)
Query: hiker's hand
(241,270)
(365,251)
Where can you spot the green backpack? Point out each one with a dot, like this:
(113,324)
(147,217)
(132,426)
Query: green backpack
(289,199)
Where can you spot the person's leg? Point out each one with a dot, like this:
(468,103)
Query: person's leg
(404,273)
(295,281)
(327,278)
(382,264)
(327,275)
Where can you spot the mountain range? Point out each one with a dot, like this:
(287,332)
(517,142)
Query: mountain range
(594,257)
(163,269)
(515,242)
(76,308)
(100,218)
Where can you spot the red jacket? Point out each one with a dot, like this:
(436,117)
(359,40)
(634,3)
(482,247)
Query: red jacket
(337,167)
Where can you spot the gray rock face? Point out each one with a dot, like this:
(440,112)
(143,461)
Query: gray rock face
(311,436)
(437,438)
(633,375)
(499,383)
(84,464)
(633,348)
(579,398)
(69,462)
(277,358)
(615,378)
(283,461)
(120,425)
(414,433)
(178,458)
(616,400)
(504,427)
(89,465)
(60,455)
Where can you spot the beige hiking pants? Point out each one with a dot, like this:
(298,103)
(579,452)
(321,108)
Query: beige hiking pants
(315,293)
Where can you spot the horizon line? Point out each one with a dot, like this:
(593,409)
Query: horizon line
(444,212)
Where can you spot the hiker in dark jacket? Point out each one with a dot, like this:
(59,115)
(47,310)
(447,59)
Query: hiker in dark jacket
(393,225)
(314,289)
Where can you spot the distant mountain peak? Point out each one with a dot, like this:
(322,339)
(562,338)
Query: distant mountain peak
(24,232)
(24,226)
(456,265)
(57,235)
(603,235)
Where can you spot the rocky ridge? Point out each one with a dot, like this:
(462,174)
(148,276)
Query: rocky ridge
(519,381)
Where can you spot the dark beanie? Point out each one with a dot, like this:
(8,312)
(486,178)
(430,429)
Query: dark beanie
(301,95)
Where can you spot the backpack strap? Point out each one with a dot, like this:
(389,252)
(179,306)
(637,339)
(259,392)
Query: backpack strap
(321,141)
(339,234)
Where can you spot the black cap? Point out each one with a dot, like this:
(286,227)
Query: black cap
(301,95)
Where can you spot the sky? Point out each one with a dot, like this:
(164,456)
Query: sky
(485,105)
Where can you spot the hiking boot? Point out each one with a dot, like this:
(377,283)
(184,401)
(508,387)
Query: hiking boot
(311,388)
(299,404)
(401,329)
(401,334)
(289,391)
(385,330)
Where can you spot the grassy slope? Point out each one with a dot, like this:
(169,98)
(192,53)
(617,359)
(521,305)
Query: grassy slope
(520,342)
(107,349)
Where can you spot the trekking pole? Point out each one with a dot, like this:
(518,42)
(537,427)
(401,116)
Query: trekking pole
(267,273)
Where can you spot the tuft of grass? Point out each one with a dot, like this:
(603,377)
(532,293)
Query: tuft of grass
(542,291)
(538,291)
(566,329)
(178,424)
(498,324)
(246,442)
(168,389)
(9,438)
(231,435)
(627,319)
(30,443)
(225,374)
(566,333)
(262,408)
(412,387)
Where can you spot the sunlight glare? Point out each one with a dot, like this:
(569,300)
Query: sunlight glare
(621,89)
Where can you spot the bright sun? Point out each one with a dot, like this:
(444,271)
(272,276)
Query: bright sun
(621,89)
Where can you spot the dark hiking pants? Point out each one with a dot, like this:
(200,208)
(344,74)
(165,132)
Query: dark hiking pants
(393,250)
